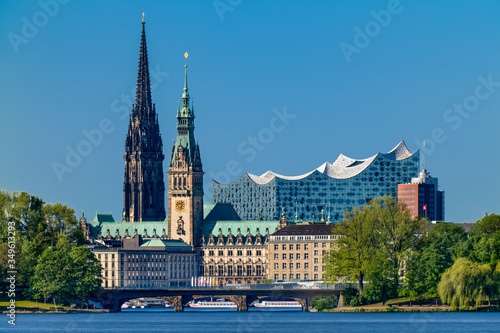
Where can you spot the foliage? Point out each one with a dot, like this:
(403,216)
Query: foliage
(349,293)
(466,283)
(434,254)
(350,258)
(321,303)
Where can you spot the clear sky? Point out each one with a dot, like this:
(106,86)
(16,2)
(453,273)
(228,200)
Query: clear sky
(277,85)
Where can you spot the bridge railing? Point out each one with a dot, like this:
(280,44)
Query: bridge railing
(237,287)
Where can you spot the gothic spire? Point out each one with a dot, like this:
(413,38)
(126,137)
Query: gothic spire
(143,93)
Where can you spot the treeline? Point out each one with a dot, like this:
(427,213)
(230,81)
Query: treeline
(400,256)
(43,244)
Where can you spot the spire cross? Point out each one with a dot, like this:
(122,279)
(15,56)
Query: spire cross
(142,17)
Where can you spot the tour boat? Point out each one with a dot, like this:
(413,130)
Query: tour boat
(277,304)
(157,304)
(127,305)
(219,303)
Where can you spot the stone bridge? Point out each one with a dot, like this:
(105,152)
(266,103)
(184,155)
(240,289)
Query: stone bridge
(242,296)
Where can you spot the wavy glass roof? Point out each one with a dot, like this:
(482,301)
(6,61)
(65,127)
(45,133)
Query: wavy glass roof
(344,167)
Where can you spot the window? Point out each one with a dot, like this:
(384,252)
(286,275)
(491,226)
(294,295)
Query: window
(210,270)
(221,253)
(258,252)
(298,265)
(306,265)
(298,276)
(291,276)
(239,270)
(315,260)
(306,276)
(230,252)
(221,270)
(298,255)
(276,277)
(284,247)
(276,265)
(249,270)
(315,252)
(249,252)
(276,248)
(211,253)
(99,256)
(315,244)
(324,252)
(112,256)
(297,247)
(284,256)
(275,256)
(315,268)
(284,276)
(291,256)
(258,270)
(106,256)
(291,265)
(323,245)
(306,246)
(239,253)
(291,247)
(306,255)
(315,276)
(284,265)
(229,271)
(202,253)
(323,268)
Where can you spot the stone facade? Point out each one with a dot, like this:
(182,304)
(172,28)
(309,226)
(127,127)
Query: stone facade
(296,251)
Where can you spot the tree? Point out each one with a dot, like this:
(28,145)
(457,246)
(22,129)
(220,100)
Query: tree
(321,303)
(60,220)
(398,234)
(352,254)
(86,274)
(434,254)
(464,283)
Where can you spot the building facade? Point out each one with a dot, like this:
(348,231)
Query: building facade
(143,185)
(331,188)
(153,263)
(296,251)
(422,197)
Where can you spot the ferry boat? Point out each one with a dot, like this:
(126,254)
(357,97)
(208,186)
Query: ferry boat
(157,304)
(127,305)
(219,303)
(278,304)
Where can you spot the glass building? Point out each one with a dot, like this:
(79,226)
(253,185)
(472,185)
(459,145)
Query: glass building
(323,193)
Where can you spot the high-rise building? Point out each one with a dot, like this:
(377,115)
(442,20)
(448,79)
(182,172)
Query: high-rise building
(185,177)
(422,197)
(324,192)
(143,185)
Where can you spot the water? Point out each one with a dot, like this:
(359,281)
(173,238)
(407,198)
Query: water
(160,320)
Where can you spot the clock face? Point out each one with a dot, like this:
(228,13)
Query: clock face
(180,205)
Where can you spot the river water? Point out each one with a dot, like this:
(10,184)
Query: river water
(160,320)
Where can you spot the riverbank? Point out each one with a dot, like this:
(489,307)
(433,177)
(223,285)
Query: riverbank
(37,307)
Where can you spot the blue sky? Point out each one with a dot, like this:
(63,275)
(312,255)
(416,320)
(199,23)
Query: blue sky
(345,77)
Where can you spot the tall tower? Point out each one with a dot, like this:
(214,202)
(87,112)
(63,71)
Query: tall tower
(143,185)
(185,177)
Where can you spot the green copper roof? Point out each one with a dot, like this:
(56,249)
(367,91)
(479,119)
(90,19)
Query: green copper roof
(244,227)
(103,217)
(219,212)
(124,229)
(166,243)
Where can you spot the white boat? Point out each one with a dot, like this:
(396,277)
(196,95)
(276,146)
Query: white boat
(126,305)
(219,303)
(277,304)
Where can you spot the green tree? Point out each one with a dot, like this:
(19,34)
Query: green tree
(350,258)
(434,254)
(321,303)
(85,274)
(464,283)
(52,272)
(60,220)
(398,235)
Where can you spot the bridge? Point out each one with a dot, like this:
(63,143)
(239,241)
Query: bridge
(242,295)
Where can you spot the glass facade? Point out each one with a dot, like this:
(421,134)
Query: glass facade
(307,196)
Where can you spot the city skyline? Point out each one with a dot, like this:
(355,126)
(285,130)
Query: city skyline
(279,96)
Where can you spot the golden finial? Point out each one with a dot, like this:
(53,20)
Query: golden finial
(142,17)
(186,56)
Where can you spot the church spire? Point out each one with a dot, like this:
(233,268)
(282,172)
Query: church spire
(143,92)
